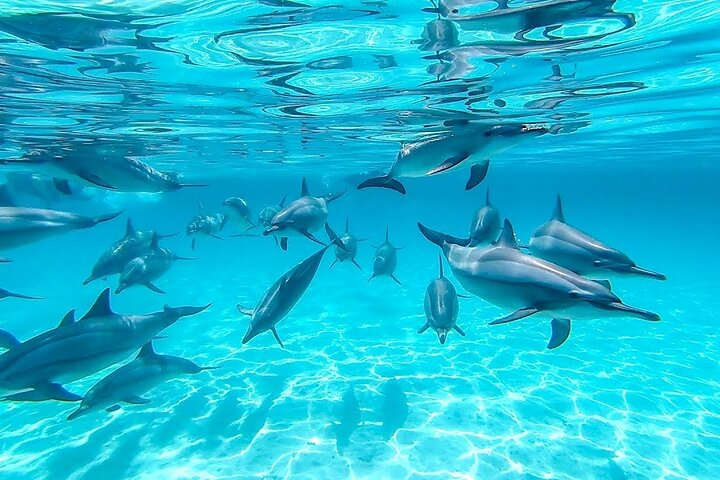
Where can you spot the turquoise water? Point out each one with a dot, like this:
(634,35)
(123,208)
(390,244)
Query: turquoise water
(249,98)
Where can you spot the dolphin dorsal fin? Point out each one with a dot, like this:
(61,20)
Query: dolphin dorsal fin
(304,192)
(154,242)
(68,319)
(487,197)
(282,202)
(147,350)
(442,272)
(507,237)
(5,197)
(129,229)
(558,212)
(101,307)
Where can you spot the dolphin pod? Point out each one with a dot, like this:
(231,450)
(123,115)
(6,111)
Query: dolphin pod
(511,279)
(129,382)
(561,243)
(34,370)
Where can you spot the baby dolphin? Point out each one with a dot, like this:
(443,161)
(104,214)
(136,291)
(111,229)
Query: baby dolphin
(135,243)
(112,172)
(385,259)
(144,270)
(565,245)
(281,297)
(441,307)
(509,278)
(443,153)
(205,224)
(238,212)
(349,242)
(7,293)
(129,382)
(36,368)
(302,217)
(486,224)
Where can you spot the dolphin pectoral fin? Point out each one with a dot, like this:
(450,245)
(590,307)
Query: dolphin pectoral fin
(277,337)
(245,311)
(284,244)
(136,400)
(383,182)
(395,279)
(48,391)
(62,185)
(113,408)
(424,328)
(8,340)
(439,238)
(356,264)
(478,173)
(451,162)
(154,288)
(560,332)
(95,180)
(516,315)
(313,238)
(459,330)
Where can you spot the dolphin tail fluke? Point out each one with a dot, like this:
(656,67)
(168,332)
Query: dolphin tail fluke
(516,315)
(6,293)
(41,393)
(439,238)
(104,218)
(185,311)
(478,173)
(383,182)
(395,279)
(560,332)
(647,273)
(634,312)
(424,328)
(277,337)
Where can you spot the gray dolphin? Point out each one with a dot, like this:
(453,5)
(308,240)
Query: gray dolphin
(22,226)
(75,349)
(508,278)
(148,268)
(281,297)
(129,382)
(135,243)
(385,259)
(112,172)
(565,245)
(301,217)
(348,250)
(238,212)
(7,293)
(348,418)
(443,153)
(486,225)
(441,307)
(205,224)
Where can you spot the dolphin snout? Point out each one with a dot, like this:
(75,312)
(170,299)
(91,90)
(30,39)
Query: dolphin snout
(249,335)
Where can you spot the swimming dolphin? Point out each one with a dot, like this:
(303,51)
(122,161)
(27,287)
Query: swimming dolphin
(560,243)
(441,307)
(129,382)
(281,297)
(22,226)
(348,418)
(385,259)
(148,268)
(486,225)
(349,242)
(36,368)
(238,212)
(267,214)
(135,243)
(7,293)
(508,278)
(446,152)
(394,408)
(112,172)
(302,217)
(206,224)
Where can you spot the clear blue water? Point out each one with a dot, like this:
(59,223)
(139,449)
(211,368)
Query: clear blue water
(249,97)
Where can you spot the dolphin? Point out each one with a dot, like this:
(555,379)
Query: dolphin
(135,243)
(486,225)
(238,212)
(144,270)
(443,153)
(560,243)
(129,382)
(441,307)
(301,217)
(206,224)
(36,368)
(7,293)
(113,172)
(22,226)
(281,297)
(385,259)
(267,214)
(394,408)
(509,278)
(349,242)
(348,418)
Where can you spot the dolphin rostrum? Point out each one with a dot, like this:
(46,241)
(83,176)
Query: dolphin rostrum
(281,297)
(148,268)
(301,217)
(7,293)
(558,242)
(37,367)
(129,382)
(444,153)
(441,307)
(348,250)
(385,259)
(509,278)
